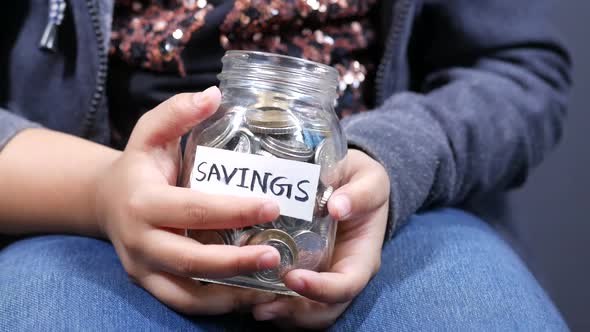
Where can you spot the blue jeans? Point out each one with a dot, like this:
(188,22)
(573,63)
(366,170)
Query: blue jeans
(445,271)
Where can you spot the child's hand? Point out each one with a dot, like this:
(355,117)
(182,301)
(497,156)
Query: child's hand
(361,207)
(144,214)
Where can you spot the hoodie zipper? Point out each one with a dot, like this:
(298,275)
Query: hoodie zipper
(389,55)
(101,75)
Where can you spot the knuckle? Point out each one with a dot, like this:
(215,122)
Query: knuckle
(320,289)
(133,245)
(132,269)
(135,205)
(186,264)
(238,266)
(245,215)
(196,214)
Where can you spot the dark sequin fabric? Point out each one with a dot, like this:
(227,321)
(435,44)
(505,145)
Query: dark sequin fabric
(152,34)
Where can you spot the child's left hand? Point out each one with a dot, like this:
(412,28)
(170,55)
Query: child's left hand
(361,207)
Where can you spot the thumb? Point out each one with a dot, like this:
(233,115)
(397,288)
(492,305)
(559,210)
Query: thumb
(366,191)
(174,118)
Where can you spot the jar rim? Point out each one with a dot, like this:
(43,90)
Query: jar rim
(280,69)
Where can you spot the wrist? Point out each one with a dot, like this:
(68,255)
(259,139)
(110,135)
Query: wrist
(96,207)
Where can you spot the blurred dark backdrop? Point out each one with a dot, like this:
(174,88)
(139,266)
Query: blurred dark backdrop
(552,213)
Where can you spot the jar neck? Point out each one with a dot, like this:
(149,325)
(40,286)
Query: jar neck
(278,75)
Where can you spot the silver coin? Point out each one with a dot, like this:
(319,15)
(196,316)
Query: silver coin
(291,225)
(325,153)
(265,154)
(313,121)
(287,249)
(286,264)
(287,149)
(274,131)
(312,139)
(254,140)
(220,132)
(322,226)
(311,248)
(241,143)
(324,194)
(326,156)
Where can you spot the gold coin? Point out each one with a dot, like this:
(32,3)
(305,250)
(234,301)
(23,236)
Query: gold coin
(270,118)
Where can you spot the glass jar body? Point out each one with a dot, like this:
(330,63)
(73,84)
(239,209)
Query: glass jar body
(267,118)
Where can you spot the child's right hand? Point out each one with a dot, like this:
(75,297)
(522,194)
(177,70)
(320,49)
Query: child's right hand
(142,212)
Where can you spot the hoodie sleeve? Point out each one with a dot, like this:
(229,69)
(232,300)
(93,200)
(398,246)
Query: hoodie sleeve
(488,101)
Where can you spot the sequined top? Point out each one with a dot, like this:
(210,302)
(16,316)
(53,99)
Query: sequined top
(187,39)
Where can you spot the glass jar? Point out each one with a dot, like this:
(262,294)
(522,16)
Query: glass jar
(275,135)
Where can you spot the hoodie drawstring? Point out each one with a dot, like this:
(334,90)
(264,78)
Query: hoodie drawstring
(57,9)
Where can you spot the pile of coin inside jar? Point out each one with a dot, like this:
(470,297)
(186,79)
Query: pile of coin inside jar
(270,130)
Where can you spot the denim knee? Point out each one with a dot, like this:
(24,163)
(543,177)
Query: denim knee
(449,270)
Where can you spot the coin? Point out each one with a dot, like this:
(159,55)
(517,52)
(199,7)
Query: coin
(286,264)
(273,131)
(220,132)
(291,225)
(286,247)
(265,154)
(322,200)
(270,120)
(287,149)
(272,99)
(268,225)
(326,156)
(240,143)
(207,236)
(313,121)
(242,236)
(312,139)
(322,226)
(311,248)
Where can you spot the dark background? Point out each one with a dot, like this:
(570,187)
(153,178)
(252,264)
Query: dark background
(551,213)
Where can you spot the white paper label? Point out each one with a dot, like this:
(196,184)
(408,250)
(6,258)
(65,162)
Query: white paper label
(292,184)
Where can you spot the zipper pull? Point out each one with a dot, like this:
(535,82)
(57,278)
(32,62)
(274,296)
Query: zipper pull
(56,15)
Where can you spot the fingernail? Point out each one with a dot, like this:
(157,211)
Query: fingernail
(264,297)
(201,98)
(269,211)
(265,315)
(342,204)
(267,260)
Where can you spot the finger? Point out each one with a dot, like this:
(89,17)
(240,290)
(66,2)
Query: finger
(183,256)
(327,287)
(290,313)
(191,297)
(364,192)
(174,118)
(185,208)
